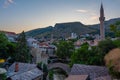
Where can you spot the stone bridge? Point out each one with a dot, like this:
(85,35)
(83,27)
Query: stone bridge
(62,66)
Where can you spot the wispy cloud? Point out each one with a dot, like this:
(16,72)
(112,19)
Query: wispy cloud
(95,17)
(7,3)
(82,11)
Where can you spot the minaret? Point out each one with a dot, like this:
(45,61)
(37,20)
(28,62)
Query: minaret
(102,18)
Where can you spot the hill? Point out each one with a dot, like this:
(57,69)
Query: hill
(65,29)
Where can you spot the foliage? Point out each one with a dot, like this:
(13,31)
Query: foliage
(11,50)
(94,55)
(105,46)
(3,46)
(116,43)
(3,77)
(50,74)
(65,49)
(22,54)
(7,49)
(39,65)
(45,68)
(116,28)
(112,61)
(85,56)
(114,73)
(89,38)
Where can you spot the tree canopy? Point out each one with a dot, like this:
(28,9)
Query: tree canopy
(22,53)
(3,45)
(65,49)
(84,55)
(116,28)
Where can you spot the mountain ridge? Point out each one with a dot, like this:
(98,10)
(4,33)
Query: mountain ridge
(65,29)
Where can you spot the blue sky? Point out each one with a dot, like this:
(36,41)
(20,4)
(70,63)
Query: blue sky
(19,15)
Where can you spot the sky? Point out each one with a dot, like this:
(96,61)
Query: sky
(19,15)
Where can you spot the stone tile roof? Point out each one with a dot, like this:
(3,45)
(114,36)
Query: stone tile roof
(26,71)
(92,71)
(77,77)
(103,78)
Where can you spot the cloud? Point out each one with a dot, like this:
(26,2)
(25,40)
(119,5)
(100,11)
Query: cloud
(95,17)
(82,11)
(7,3)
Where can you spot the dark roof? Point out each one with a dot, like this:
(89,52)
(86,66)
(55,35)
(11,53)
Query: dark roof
(103,78)
(26,72)
(92,71)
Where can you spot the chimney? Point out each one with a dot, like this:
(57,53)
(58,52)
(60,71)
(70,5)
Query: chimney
(16,67)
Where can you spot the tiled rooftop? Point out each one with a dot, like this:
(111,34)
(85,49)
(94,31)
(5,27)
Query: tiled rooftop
(92,71)
(26,71)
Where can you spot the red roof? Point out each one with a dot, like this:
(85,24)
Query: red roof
(44,44)
(7,32)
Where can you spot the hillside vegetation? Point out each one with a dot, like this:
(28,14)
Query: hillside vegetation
(65,29)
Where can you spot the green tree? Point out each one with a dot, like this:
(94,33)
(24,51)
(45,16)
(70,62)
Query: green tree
(116,28)
(84,55)
(80,55)
(3,76)
(116,43)
(50,74)
(11,49)
(105,46)
(65,49)
(3,45)
(22,54)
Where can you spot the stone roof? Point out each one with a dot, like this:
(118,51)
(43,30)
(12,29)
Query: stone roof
(63,66)
(26,71)
(103,78)
(77,77)
(92,71)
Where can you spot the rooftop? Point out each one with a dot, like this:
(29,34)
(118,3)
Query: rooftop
(92,71)
(26,71)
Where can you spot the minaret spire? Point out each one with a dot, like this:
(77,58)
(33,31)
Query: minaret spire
(101,11)
(102,18)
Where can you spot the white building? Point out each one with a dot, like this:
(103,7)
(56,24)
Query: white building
(73,35)
(39,56)
(32,42)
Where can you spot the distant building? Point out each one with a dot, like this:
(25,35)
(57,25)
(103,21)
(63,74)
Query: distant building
(39,56)
(73,35)
(102,18)
(47,48)
(11,36)
(32,42)
(24,71)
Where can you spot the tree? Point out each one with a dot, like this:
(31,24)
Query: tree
(3,76)
(85,56)
(11,49)
(23,54)
(112,60)
(105,46)
(3,45)
(65,49)
(117,43)
(116,28)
